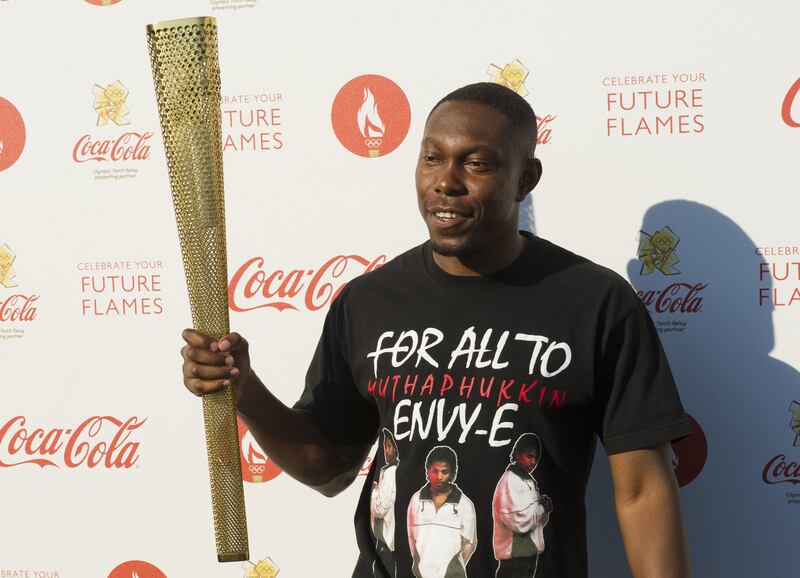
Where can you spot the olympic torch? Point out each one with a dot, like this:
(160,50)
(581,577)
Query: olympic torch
(185,64)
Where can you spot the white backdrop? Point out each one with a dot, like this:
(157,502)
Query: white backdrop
(712,164)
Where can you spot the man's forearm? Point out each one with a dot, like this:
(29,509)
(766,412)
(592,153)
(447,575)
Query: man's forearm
(295,442)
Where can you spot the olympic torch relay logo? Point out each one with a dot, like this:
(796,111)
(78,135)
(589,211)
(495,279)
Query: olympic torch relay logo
(371,116)
(136,569)
(689,454)
(788,103)
(256,466)
(105,3)
(12,134)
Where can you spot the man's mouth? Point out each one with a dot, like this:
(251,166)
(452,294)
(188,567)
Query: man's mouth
(444,216)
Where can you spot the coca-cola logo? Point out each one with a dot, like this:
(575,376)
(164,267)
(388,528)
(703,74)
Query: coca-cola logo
(689,454)
(99,441)
(371,116)
(136,569)
(788,103)
(256,466)
(129,146)
(18,308)
(674,298)
(254,286)
(780,470)
(12,134)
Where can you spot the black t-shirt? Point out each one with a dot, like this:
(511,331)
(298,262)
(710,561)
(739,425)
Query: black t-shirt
(532,363)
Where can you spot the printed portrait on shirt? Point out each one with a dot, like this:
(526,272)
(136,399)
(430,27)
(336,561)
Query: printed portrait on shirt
(441,525)
(520,512)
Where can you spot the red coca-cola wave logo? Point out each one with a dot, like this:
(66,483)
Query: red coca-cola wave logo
(675,298)
(18,308)
(689,454)
(254,286)
(129,146)
(99,441)
(788,102)
(12,134)
(256,466)
(136,569)
(371,116)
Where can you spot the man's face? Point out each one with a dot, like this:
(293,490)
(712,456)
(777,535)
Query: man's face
(471,177)
(439,475)
(388,450)
(527,461)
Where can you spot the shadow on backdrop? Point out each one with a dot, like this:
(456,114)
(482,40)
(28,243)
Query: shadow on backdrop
(719,350)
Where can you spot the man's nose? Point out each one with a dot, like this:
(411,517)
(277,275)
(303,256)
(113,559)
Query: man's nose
(448,179)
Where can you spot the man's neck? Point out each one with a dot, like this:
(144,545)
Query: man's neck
(485,262)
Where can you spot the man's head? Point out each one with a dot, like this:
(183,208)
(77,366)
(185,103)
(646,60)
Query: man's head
(526,452)
(389,446)
(441,467)
(475,167)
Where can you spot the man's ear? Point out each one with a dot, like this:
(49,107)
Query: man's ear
(531,174)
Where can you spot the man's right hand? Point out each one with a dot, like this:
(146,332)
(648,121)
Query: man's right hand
(210,365)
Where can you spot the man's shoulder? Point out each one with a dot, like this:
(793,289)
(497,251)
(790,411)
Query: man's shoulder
(568,266)
(401,269)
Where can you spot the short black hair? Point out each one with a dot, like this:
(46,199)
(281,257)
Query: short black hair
(520,115)
(387,435)
(527,442)
(443,454)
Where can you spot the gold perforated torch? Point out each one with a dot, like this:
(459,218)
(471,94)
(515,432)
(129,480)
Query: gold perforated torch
(183,55)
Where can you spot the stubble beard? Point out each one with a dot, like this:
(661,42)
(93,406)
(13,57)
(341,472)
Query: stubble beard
(461,251)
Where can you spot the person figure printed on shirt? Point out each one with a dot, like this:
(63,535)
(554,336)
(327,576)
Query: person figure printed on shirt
(441,520)
(520,512)
(381,504)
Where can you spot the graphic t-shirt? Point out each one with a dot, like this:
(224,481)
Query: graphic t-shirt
(492,392)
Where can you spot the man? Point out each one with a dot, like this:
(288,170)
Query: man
(441,521)
(478,335)
(520,513)
(381,504)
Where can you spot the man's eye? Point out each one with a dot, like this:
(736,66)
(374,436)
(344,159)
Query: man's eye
(430,159)
(479,165)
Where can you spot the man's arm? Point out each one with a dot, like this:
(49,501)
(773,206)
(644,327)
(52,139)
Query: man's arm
(290,437)
(649,513)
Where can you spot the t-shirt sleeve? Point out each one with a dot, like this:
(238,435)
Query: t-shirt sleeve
(331,395)
(639,403)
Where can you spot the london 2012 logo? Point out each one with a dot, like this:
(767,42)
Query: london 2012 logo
(12,134)
(371,116)
(788,103)
(513,76)
(657,251)
(7,274)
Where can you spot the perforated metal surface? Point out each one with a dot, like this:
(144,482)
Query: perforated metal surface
(185,65)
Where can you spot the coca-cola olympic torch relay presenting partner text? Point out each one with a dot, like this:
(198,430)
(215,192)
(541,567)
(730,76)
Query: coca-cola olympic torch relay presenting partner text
(186,76)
